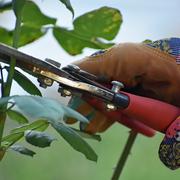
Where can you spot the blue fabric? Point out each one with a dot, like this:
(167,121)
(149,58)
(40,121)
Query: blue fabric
(175,46)
(170,46)
(169,150)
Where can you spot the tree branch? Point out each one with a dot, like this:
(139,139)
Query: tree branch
(123,158)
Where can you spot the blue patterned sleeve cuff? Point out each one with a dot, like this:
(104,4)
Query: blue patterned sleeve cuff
(170,46)
(169,150)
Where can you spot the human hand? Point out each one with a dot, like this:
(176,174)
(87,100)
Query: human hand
(145,70)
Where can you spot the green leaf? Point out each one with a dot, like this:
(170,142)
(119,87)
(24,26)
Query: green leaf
(10,139)
(6,36)
(102,23)
(28,35)
(38,125)
(47,109)
(74,43)
(147,41)
(75,140)
(18,6)
(67,3)
(23,150)
(18,133)
(32,22)
(33,17)
(5,100)
(17,116)
(88,136)
(39,139)
(41,127)
(25,83)
(5,5)
(37,107)
(2,152)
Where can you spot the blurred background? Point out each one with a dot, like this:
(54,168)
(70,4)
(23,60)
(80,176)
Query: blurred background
(142,20)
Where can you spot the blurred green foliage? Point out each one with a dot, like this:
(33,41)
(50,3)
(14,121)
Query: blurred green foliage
(63,163)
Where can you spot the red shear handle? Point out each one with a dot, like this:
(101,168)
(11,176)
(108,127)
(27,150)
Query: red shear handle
(137,126)
(144,115)
(153,113)
(122,118)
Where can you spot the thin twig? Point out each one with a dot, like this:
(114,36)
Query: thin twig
(13,60)
(123,158)
(2,81)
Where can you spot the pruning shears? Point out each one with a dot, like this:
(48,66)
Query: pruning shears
(71,79)
(74,81)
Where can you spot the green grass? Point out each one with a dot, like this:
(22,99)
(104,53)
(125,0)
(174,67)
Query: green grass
(61,162)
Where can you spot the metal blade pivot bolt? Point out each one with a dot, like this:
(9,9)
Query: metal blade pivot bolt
(64,92)
(45,82)
(115,88)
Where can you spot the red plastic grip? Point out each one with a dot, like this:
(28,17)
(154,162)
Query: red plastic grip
(145,115)
(123,119)
(153,113)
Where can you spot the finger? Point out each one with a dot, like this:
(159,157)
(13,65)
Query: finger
(80,106)
(99,123)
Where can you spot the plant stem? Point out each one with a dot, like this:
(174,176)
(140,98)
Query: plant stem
(8,84)
(13,61)
(124,155)
(2,122)
(2,81)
